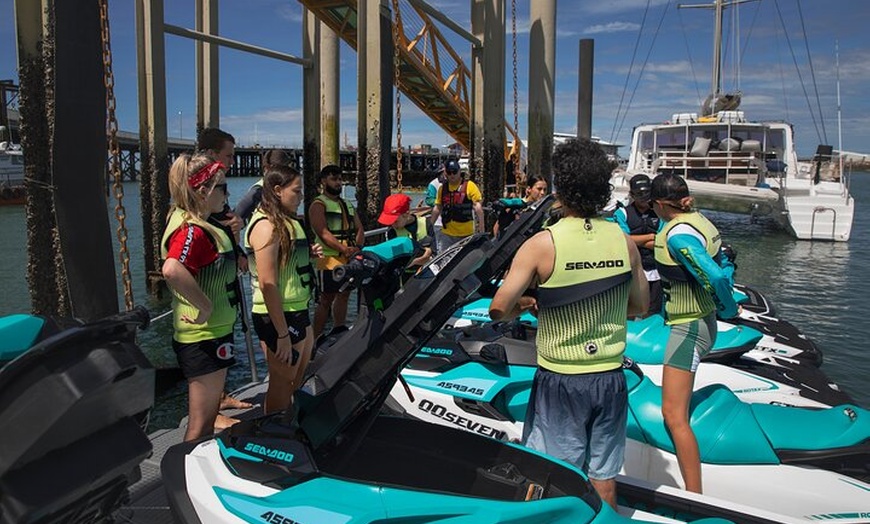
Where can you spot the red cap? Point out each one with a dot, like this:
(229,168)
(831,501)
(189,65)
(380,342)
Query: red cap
(394,206)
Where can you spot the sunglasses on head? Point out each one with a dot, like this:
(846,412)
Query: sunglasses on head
(669,204)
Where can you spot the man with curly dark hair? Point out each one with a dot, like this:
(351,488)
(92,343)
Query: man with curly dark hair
(589,279)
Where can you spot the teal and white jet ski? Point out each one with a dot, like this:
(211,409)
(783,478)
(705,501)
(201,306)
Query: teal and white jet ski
(799,461)
(335,458)
(736,360)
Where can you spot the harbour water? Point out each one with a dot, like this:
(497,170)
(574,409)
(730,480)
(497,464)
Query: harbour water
(819,287)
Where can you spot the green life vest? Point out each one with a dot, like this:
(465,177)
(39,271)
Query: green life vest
(685,299)
(339,221)
(217,280)
(582,307)
(295,279)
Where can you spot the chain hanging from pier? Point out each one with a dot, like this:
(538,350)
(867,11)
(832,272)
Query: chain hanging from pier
(115,155)
(396,61)
(517,142)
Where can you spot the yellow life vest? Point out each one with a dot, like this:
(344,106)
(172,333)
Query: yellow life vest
(295,280)
(685,299)
(582,307)
(217,280)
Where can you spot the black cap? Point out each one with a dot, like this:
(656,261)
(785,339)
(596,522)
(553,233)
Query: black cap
(451,166)
(640,186)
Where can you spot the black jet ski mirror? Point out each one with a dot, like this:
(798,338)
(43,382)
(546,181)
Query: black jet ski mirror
(346,387)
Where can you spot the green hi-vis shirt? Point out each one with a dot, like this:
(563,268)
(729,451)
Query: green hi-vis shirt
(582,307)
(685,299)
(295,279)
(341,225)
(217,280)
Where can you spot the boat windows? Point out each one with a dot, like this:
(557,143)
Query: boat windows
(672,139)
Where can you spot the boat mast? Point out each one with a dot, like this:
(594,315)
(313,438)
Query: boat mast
(839,112)
(719,6)
(716,84)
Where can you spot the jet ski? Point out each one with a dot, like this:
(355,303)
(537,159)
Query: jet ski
(800,461)
(749,362)
(333,457)
(73,398)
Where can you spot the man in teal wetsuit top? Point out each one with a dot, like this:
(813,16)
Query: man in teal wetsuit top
(589,279)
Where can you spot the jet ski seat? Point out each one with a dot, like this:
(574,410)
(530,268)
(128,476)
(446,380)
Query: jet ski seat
(725,427)
(804,429)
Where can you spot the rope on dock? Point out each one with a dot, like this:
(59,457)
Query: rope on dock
(161,316)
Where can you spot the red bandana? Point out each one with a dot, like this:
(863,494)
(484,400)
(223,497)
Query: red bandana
(204,175)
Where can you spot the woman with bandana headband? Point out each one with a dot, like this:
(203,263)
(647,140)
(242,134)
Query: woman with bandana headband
(200,267)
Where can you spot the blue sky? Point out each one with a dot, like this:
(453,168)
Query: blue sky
(261,98)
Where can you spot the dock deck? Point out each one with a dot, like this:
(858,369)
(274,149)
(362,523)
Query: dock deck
(148,503)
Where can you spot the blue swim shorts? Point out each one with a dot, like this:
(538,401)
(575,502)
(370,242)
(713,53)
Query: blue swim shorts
(579,419)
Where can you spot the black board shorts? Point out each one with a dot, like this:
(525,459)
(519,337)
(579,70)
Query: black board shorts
(297,322)
(204,357)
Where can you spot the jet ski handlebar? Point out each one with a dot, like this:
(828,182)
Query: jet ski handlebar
(377,270)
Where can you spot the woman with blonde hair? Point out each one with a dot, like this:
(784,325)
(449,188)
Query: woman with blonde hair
(282,280)
(200,267)
(697,282)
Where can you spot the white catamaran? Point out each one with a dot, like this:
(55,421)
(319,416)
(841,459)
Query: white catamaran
(737,165)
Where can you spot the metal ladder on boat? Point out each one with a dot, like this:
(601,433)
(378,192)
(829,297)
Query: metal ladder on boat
(823,209)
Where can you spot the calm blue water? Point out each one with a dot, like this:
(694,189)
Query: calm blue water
(819,287)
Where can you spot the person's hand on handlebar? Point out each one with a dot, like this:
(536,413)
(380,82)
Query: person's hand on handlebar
(349,251)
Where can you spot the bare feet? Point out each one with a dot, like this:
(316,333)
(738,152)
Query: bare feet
(222,422)
(228,402)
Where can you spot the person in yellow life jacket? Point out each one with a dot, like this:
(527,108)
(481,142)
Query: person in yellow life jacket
(458,205)
(697,281)
(201,269)
(589,279)
(397,215)
(282,282)
(340,234)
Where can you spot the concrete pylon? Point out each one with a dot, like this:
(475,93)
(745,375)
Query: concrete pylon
(542,82)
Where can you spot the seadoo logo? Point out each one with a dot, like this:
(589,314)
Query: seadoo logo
(263,451)
(601,264)
(436,351)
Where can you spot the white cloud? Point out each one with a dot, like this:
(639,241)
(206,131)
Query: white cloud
(611,27)
(291,12)
(619,6)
